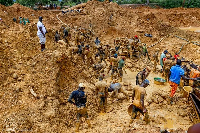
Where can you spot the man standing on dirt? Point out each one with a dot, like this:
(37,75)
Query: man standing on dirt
(176,72)
(101,91)
(41,33)
(162,56)
(138,102)
(167,66)
(120,66)
(80,99)
(114,62)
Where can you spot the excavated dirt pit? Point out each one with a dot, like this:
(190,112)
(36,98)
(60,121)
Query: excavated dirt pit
(35,85)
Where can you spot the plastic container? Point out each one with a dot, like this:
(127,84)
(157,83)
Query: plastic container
(159,81)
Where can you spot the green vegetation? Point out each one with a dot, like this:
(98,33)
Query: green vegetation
(161,3)
(6,2)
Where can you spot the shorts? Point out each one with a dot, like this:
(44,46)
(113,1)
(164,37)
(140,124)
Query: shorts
(42,38)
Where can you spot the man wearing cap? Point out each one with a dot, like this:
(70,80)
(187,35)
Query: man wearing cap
(142,75)
(80,100)
(176,72)
(136,40)
(138,101)
(41,33)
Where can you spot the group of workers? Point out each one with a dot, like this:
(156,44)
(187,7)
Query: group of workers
(171,67)
(102,89)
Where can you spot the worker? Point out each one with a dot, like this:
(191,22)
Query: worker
(41,33)
(144,50)
(77,38)
(176,56)
(66,34)
(155,58)
(136,40)
(14,20)
(97,41)
(163,55)
(101,52)
(80,99)
(116,88)
(176,72)
(99,68)
(120,67)
(88,53)
(167,65)
(57,36)
(81,38)
(114,62)
(142,75)
(80,48)
(138,101)
(101,91)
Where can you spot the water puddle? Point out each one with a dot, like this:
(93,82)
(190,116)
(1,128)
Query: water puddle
(195,29)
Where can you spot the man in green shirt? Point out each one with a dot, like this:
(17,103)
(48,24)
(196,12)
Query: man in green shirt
(120,66)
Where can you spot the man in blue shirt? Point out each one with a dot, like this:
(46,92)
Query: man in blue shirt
(80,100)
(176,72)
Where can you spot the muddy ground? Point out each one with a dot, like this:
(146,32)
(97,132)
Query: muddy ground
(53,74)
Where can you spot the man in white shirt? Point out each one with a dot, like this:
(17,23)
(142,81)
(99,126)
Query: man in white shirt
(41,33)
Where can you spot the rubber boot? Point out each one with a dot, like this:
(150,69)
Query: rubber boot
(170,100)
(146,118)
(89,124)
(77,126)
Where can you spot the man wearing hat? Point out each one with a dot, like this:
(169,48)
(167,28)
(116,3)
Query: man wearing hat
(41,33)
(80,100)
(138,102)
(162,56)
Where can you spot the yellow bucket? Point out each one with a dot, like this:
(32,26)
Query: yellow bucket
(186,91)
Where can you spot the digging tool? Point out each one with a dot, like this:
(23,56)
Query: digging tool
(147,54)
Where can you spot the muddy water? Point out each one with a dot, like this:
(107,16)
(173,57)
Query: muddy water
(195,29)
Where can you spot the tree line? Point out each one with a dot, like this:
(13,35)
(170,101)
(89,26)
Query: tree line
(160,3)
